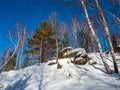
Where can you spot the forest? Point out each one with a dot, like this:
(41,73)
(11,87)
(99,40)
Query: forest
(95,28)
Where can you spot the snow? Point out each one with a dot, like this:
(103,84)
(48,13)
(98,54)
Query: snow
(79,58)
(82,51)
(79,50)
(70,77)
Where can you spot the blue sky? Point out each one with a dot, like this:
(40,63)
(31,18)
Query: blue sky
(30,13)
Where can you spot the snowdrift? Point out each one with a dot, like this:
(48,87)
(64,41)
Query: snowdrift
(70,77)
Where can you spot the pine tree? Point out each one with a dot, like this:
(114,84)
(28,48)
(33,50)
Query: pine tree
(42,42)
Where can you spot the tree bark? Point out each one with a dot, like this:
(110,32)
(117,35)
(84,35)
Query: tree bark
(108,36)
(97,40)
(40,60)
(6,61)
(56,50)
(74,28)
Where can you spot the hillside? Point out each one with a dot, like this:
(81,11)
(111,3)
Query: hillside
(70,77)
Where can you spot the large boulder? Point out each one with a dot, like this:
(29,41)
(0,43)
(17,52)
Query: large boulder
(81,59)
(62,51)
(81,51)
(74,52)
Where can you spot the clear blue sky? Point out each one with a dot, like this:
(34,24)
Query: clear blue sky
(30,13)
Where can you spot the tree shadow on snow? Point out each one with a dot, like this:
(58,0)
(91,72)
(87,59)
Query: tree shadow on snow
(103,70)
(116,75)
(41,80)
(20,84)
(81,68)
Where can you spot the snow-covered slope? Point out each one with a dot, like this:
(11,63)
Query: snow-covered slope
(70,77)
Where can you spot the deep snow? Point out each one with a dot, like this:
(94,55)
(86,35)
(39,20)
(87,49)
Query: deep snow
(70,77)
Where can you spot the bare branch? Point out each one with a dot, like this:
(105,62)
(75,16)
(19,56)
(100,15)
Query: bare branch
(10,37)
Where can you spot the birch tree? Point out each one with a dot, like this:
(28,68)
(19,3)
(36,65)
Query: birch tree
(54,26)
(62,28)
(53,22)
(97,40)
(4,56)
(22,35)
(17,43)
(87,39)
(108,36)
(74,30)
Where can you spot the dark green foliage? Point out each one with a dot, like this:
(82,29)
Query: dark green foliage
(115,44)
(11,63)
(43,40)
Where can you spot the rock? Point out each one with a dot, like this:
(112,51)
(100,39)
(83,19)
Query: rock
(66,49)
(73,52)
(91,62)
(59,66)
(52,63)
(70,55)
(81,51)
(81,59)
(81,56)
(61,53)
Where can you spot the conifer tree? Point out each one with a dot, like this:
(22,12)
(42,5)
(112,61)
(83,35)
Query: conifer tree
(42,42)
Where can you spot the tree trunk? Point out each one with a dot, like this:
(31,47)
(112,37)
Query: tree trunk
(40,59)
(20,62)
(97,40)
(76,44)
(56,50)
(74,28)
(108,36)
(6,61)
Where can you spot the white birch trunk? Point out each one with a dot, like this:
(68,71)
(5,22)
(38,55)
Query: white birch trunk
(16,47)
(74,27)
(97,40)
(20,63)
(76,44)
(8,58)
(108,36)
(56,40)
